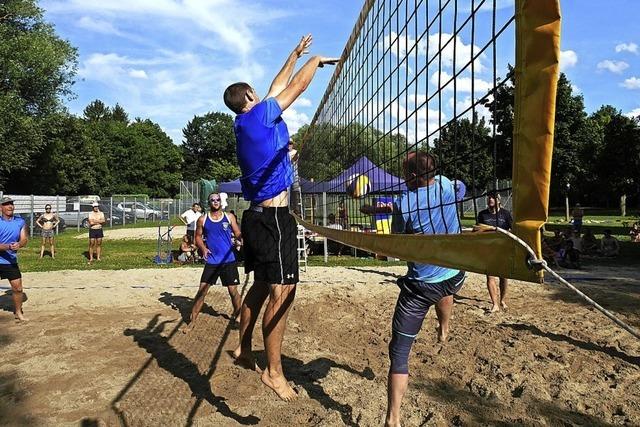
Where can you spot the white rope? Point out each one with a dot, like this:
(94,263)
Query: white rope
(542,264)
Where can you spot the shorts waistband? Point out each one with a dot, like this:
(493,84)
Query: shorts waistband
(258,208)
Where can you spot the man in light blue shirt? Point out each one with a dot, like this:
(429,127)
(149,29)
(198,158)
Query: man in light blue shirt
(428,207)
(13,236)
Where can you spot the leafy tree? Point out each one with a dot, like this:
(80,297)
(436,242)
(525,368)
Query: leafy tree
(96,111)
(36,70)
(465,152)
(209,148)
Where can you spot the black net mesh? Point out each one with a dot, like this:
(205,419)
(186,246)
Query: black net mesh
(416,76)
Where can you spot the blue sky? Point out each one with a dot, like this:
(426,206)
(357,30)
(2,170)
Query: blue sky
(169,60)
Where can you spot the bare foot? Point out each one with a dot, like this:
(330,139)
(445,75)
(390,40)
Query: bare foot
(442,335)
(246,361)
(504,306)
(188,327)
(280,385)
(20,317)
(494,309)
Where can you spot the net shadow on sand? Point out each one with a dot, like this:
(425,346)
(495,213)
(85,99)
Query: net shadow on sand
(151,396)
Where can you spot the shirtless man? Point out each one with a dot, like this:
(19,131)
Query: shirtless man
(96,219)
(48,222)
(269,230)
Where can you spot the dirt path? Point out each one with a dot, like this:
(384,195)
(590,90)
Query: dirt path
(103,346)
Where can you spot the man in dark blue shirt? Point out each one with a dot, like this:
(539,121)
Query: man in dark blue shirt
(13,236)
(269,231)
(496,216)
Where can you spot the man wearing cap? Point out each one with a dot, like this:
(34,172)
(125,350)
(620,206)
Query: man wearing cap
(13,236)
(96,219)
(496,216)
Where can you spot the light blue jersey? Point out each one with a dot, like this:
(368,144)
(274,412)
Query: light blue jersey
(429,210)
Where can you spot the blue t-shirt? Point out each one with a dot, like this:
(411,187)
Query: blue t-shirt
(10,233)
(429,210)
(217,235)
(262,146)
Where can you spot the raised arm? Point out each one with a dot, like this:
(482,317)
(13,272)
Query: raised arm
(302,79)
(281,81)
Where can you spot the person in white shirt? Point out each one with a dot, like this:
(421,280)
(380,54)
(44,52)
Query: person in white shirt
(190,218)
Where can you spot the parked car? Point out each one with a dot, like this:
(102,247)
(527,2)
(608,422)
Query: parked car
(117,215)
(37,231)
(141,210)
(73,217)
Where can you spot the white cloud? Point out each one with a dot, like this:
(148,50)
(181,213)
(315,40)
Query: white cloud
(138,74)
(230,22)
(294,119)
(633,113)
(568,59)
(444,43)
(627,47)
(462,84)
(631,83)
(614,66)
(302,102)
(97,25)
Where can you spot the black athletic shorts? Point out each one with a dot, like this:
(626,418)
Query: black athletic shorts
(270,246)
(228,274)
(192,234)
(10,271)
(96,233)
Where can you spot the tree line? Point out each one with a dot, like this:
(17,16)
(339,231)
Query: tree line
(47,150)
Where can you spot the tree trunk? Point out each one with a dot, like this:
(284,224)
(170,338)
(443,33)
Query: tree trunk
(623,205)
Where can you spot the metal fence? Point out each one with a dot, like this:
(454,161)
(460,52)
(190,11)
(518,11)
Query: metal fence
(120,210)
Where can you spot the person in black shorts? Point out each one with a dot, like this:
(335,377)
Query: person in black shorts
(13,236)
(215,232)
(496,216)
(269,230)
(96,220)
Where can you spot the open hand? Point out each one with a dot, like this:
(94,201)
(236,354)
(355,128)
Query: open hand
(328,61)
(303,46)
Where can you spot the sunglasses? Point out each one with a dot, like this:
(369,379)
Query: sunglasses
(214,200)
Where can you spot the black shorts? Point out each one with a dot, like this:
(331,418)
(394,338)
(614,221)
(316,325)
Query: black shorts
(228,274)
(415,299)
(192,234)
(10,271)
(96,233)
(270,246)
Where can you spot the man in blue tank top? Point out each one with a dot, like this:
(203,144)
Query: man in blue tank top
(428,207)
(216,235)
(269,230)
(13,236)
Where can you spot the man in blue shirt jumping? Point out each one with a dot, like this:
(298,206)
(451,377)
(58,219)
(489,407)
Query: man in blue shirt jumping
(269,231)
(13,236)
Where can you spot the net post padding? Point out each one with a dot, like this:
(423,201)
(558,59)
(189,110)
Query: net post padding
(537,67)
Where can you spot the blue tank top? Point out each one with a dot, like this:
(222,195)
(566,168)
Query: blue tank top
(217,235)
(10,233)
(262,146)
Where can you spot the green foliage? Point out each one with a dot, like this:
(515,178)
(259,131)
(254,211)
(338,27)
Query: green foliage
(36,70)
(465,152)
(330,149)
(209,148)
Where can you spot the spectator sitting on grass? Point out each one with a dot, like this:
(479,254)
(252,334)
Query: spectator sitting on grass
(568,256)
(634,233)
(556,241)
(187,249)
(589,242)
(609,245)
